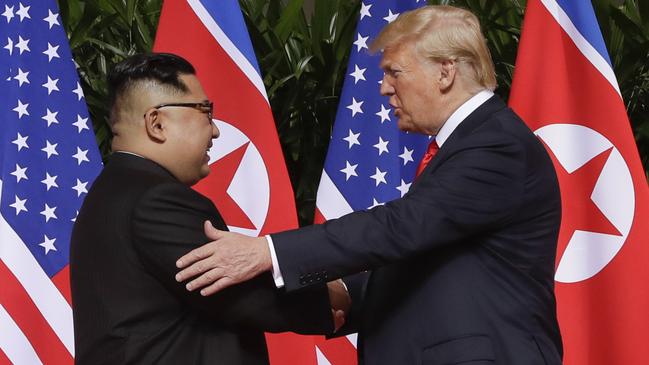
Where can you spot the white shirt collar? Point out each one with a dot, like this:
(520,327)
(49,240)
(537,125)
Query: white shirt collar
(129,153)
(460,114)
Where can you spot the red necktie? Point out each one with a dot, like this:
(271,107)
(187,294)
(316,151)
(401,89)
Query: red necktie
(430,153)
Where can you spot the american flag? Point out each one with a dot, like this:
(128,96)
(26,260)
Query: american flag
(48,160)
(369,161)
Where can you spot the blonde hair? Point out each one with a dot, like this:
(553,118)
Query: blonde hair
(443,33)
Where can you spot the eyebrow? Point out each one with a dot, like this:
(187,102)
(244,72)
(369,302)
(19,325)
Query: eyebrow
(391,66)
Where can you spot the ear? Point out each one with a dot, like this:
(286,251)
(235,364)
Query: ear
(154,125)
(448,72)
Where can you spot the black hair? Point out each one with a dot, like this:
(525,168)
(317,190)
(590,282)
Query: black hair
(163,68)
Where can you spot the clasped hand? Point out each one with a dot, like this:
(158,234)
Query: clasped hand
(232,258)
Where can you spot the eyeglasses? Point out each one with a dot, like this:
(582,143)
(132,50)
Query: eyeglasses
(205,107)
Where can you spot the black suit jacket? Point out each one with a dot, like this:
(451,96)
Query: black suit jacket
(136,221)
(463,263)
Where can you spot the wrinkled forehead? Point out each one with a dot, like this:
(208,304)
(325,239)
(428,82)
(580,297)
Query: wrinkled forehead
(399,54)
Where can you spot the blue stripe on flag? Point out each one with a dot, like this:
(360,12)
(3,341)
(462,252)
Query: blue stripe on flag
(582,15)
(227,14)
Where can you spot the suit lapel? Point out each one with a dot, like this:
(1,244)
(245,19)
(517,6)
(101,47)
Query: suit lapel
(468,125)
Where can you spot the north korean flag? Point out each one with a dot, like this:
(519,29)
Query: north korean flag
(249,183)
(565,89)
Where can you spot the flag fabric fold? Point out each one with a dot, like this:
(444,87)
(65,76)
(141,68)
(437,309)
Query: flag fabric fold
(564,87)
(249,182)
(49,158)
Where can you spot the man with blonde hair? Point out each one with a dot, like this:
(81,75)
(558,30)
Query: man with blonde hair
(463,263)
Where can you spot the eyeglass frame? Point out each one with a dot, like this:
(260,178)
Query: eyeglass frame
(198,106)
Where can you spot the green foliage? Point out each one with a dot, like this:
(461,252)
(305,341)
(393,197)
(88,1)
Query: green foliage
(303,59)
(626,32)
(102,33)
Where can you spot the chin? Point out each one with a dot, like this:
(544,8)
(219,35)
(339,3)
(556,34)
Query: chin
(205,171)
(405,126)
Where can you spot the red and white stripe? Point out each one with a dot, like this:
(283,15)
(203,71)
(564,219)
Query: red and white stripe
(587,49)
(35,318)
(230,48)
(330,202)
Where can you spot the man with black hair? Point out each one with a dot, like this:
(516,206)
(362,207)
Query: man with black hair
(141,215)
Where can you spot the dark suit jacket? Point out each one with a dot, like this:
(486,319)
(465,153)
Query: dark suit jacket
(463,263)
(136,221)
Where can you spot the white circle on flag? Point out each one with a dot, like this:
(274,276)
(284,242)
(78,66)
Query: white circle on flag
(587,253)
(250,185)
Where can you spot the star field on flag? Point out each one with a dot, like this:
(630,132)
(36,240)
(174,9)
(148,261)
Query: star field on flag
(49,157)
(369,160)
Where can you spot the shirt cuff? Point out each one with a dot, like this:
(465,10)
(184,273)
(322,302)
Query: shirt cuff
(277,274)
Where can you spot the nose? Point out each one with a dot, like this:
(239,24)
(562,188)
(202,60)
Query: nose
(215,130)
(386,88)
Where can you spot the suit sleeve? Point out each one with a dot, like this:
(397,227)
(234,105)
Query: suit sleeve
(168,222)
(472,191)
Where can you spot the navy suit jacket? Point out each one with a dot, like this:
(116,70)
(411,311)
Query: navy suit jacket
(462,265)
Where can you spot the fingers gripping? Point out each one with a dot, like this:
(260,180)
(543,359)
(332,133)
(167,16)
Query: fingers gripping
(218,285)
(199,265)
(206,278)
(192,257)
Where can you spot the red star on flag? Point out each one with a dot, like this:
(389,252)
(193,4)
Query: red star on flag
(216,185)
(579,210)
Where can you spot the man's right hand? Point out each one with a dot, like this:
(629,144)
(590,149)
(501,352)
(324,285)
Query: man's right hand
(340,302)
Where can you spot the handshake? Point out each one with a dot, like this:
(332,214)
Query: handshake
(231,258)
